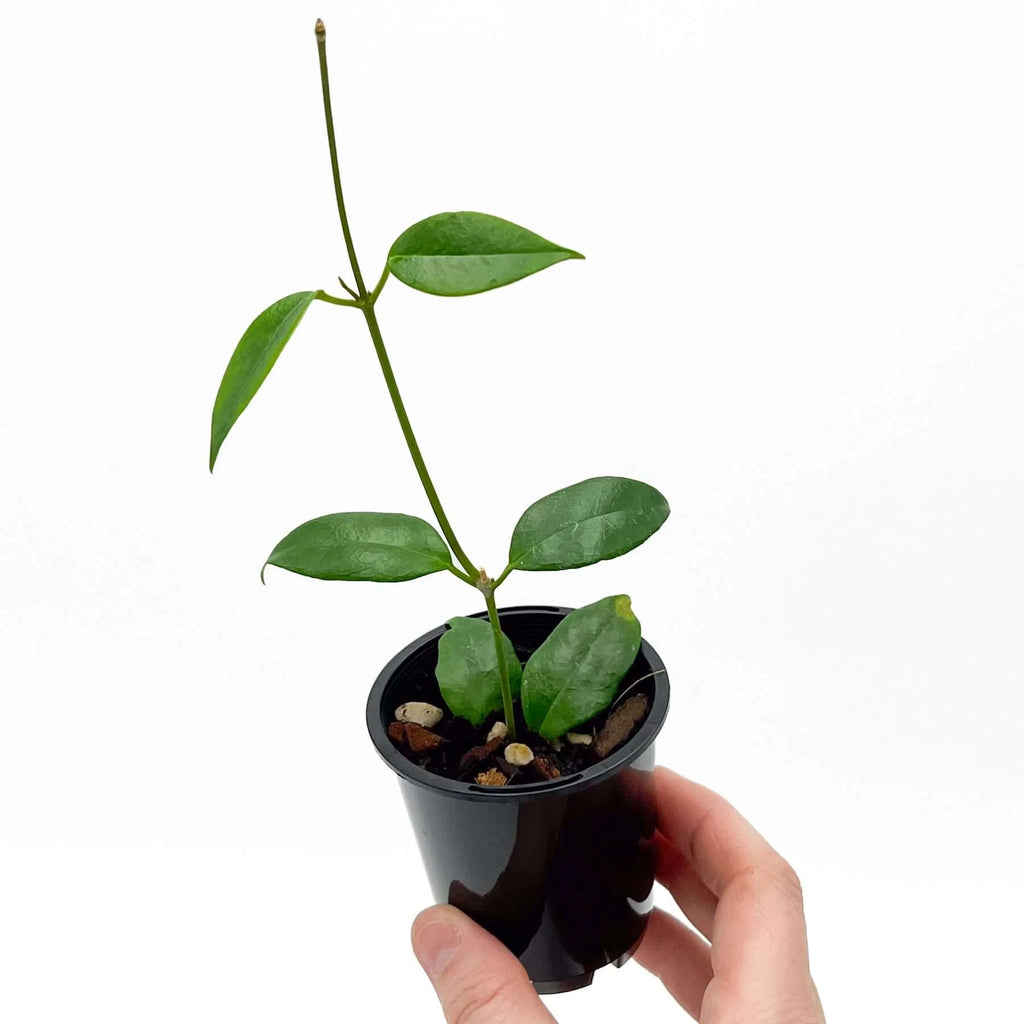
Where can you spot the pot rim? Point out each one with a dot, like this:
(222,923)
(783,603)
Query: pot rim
(413,773)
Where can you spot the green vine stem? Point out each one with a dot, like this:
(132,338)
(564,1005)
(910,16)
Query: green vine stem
(410,439)
(321,45)
(506,688)
(366,301)
(334,300)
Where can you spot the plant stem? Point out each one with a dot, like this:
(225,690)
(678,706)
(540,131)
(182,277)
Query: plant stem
(366,301)
(380,284)
(410,440)
(499,649)
(336,301)
(321,45)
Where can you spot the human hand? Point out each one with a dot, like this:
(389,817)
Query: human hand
(733,887)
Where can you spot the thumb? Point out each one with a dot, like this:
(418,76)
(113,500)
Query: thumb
(476,978)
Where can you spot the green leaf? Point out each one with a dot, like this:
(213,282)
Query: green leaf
(384,546)
(467,669)
(600,518)
(465,253)
(575,673)
(252,360)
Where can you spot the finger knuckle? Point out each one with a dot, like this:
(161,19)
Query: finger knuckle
(771,881)
(705,834)
(788,881)
(479,1000)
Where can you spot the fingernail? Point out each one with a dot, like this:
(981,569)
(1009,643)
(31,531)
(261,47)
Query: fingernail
(435,945)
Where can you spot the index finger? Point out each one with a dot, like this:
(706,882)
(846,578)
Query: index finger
(758,936)
(718,841)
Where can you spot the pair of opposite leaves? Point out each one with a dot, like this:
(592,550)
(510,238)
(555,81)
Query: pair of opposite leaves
(571,677)
(574,674)
(447,254)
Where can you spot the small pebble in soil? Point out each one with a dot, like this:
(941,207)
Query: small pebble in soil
(544,769)
(620,725)
(491,777)
(579,739)
(414,736)
(498,731)
(475,755)
(420,713)
(518,754)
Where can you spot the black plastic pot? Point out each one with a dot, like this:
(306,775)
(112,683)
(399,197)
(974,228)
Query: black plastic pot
(562,871)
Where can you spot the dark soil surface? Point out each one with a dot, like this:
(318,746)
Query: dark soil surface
(457,750)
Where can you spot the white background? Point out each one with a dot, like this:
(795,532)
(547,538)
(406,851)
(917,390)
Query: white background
(800,317)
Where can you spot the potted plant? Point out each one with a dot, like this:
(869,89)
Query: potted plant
(522,737)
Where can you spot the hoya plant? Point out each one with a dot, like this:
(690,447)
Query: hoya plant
(575,674)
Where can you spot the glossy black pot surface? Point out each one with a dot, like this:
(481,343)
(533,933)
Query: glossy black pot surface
(563,871)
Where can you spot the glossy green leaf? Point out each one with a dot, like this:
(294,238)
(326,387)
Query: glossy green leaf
(576,672)
(467,669)
(600,518)
(384,546)
(252,360)
(465,253)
